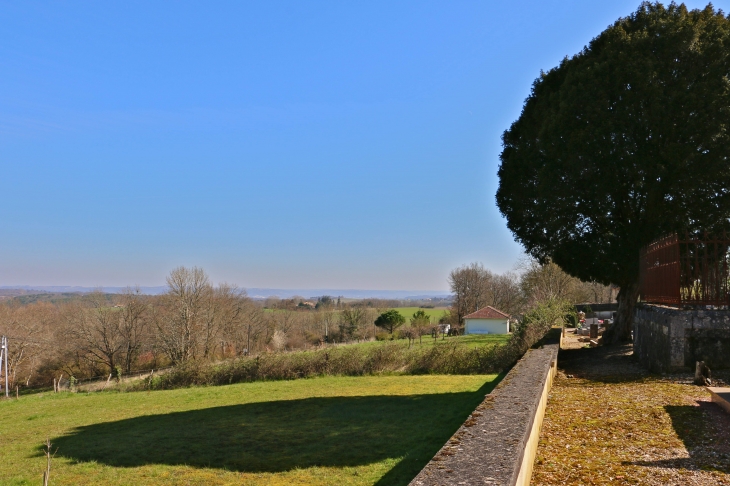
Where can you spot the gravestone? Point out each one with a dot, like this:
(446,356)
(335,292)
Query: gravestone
(594,331)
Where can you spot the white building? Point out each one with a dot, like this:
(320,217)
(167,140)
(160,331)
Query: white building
(487,320)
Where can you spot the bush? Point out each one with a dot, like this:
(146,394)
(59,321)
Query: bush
(383,336)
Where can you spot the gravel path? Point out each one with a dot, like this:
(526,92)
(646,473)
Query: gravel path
(610,422)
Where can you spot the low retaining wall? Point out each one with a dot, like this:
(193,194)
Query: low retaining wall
(668,339)
(497,443)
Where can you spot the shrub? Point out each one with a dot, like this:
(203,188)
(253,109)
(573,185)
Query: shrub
(383,336)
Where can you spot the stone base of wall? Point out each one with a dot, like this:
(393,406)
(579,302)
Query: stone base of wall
(668,339)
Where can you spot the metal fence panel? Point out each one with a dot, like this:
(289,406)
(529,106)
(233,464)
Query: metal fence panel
(687,271)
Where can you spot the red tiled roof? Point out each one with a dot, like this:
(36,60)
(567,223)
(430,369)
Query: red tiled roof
(487,312)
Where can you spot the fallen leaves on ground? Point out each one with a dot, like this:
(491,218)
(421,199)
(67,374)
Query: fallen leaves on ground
(615,424)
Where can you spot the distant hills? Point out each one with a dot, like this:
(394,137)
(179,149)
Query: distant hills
(65,289)
(255,293)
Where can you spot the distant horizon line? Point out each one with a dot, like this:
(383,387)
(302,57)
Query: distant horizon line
(254,292)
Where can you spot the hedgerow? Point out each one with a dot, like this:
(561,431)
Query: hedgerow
(389,357)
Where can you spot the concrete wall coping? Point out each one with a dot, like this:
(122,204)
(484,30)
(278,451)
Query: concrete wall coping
(496,445)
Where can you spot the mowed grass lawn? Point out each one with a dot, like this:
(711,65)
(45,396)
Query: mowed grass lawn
(472,340)
(332,430)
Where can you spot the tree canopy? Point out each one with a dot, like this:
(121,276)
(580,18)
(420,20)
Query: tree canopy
(390,320)
(622,143)
(420,318)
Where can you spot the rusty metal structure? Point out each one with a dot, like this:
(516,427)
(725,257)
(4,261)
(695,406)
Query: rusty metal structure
(692,270)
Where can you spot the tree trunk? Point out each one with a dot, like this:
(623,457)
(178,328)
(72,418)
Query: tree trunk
(620,331)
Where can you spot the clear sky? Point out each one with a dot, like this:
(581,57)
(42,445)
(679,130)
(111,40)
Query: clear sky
(275,144)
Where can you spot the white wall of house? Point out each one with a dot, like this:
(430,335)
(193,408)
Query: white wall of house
(486,326)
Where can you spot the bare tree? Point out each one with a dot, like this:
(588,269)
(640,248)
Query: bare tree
(178,329)
(475,287)
(351,320)
(95,329)
(133,326)
(467,285)
(222,312)
(503,292)
(421,324)
(328,320)
(30,330)
(549,282)
(284,320)
(254,323)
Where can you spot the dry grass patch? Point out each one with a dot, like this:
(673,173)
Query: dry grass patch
(608,422)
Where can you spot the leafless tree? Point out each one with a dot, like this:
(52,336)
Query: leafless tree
(351,320)
(254,328)
(179,326)
(30,331)
(284,320)
(545,282)
(133,326)
(95,330)
(475,287)
(503,292)
(327,320)
(421,324)
(410,333)
(467,285)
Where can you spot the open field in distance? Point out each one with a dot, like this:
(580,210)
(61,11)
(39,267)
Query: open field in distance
(334,430)
(435,314)
(472,340)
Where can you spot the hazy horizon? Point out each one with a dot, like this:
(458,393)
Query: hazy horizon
(254,292)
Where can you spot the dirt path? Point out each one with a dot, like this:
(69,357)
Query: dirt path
(610,422)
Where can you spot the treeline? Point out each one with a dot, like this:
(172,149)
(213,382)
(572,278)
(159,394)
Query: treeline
(98,334)
(198,322)
(516,293)
(444,357)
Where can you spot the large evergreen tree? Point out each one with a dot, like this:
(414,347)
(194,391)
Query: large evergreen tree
(390,320)
(622,143)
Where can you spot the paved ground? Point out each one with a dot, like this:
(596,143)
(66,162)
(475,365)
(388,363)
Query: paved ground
(610,422)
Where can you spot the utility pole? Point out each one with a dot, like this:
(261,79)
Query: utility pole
(248,339)
(4,356)
(7,351)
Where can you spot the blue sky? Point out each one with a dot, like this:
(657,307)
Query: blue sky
(275,144)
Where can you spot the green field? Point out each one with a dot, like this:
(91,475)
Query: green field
(407,312)
(334,430)
(472,340)
(434,314)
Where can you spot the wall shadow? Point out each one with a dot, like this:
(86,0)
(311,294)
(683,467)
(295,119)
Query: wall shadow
(282,435)
(604,364)
(704,431)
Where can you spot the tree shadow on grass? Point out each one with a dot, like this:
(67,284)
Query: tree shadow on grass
(704,430)
(282,435)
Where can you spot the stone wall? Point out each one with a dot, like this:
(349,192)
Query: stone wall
(668,339)
(497,443)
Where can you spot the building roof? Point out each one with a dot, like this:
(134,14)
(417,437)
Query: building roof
(487,312)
